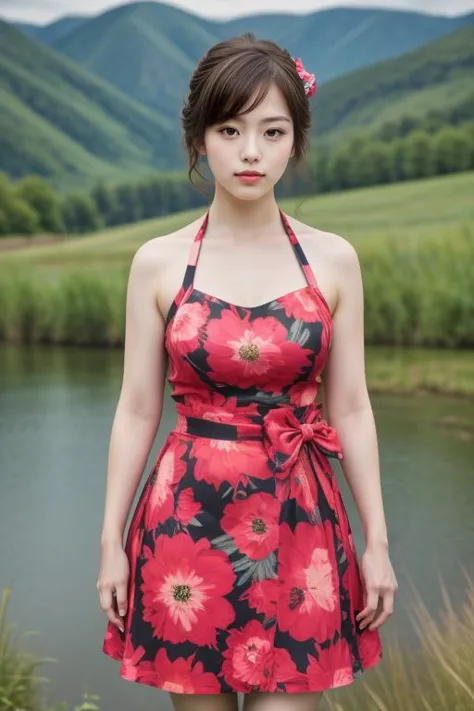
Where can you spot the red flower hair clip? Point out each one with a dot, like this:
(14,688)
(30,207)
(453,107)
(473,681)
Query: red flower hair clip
(309,80)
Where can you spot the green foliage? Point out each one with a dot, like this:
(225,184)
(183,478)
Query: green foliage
(80,214)
(44,201)
(16,215)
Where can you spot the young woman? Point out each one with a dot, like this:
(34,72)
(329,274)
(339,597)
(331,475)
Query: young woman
(239,573)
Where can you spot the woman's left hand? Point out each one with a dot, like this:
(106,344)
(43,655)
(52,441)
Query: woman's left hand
(379,582)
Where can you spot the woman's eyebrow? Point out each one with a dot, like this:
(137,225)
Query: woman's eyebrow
(275,118)
(270,119)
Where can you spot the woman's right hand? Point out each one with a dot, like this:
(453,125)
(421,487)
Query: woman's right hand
(113,582)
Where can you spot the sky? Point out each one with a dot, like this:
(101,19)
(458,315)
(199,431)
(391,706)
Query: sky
(44,11)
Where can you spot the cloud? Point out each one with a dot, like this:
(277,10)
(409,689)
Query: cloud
(43,11)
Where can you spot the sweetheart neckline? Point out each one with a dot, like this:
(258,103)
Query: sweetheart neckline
(193,290)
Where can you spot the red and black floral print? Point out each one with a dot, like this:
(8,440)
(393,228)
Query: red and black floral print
(243,571)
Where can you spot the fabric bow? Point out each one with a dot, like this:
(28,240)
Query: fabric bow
(286,434)
(284,437)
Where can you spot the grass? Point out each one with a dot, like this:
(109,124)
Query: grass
(437,676)
(415,243)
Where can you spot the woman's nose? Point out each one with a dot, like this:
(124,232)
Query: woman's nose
(250,151)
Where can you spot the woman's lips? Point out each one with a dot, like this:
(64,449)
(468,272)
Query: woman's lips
(249,178)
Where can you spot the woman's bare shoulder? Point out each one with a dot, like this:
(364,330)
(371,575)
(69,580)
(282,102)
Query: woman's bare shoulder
(158,250)
(322,242)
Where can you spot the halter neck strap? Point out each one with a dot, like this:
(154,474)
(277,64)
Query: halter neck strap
(188,280)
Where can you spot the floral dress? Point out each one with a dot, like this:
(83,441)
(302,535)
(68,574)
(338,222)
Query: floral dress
(243,571)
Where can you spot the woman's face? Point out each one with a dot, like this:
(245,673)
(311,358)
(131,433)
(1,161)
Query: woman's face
(258,141)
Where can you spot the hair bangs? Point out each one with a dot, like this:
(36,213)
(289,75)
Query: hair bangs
(238,90)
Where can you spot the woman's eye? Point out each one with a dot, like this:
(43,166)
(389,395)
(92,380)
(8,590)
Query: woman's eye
(272,130)
(227,128)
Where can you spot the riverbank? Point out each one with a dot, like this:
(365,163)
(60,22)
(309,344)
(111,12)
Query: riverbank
(420,370)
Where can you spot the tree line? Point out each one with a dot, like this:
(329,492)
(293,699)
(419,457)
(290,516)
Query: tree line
(31,206)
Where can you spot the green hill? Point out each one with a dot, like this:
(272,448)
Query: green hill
(437,76)
(147,50)
(66,125)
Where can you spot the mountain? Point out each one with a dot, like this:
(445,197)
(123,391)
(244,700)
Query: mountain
(335,42)
(148,50)
(54,31)
(437,76)
(64,124)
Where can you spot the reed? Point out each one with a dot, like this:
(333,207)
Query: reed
(417,293)
(437,676)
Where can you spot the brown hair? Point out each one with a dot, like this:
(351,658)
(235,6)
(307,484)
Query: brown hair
(224,82)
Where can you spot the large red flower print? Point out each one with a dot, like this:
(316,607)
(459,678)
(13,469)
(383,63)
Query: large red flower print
(309,603)
(253,524)
(184,584)
(252,353)
(180,676)
(230,461)
(252,662)
(169,470)
(304,392)
(187,507)
(186,325)
(333,667)
(262,595)
(303,305)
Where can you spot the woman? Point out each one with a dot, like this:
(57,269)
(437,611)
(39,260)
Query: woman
(239,572)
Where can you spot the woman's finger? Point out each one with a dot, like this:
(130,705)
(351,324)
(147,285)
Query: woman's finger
(387,610)
(121,593)
(370,606)
(108,605)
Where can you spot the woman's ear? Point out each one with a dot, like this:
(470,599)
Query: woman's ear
(201,149)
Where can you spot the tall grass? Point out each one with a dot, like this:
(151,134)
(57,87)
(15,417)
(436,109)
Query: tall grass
(436,676)
(77,307)
(417,293)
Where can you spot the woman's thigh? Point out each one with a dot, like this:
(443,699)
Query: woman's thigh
(205,702)
(276,701)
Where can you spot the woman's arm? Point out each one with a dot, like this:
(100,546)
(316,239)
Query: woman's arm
(347,399)
(350,412)
(139,408)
